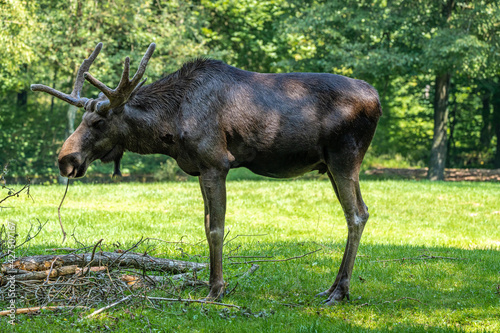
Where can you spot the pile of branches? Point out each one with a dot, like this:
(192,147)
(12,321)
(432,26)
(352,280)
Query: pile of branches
(85,279)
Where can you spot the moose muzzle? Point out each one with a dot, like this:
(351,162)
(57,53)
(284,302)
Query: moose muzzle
(72,165)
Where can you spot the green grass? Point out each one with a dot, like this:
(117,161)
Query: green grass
(407,219)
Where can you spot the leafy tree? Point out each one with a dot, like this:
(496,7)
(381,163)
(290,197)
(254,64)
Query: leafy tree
(17,21)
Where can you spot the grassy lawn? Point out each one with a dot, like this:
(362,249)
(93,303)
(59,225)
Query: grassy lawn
(290,218)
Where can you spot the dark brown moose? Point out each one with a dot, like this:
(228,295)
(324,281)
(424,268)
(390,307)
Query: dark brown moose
(211,117)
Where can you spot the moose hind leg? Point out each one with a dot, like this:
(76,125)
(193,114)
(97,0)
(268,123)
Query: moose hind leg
(356,214)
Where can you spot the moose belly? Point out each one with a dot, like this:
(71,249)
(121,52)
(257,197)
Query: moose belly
(282,165)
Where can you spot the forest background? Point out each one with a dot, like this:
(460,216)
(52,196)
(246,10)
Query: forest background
(435,63)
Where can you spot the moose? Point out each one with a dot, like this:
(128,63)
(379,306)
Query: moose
(211,117)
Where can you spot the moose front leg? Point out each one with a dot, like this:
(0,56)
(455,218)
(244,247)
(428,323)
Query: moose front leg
(213,188)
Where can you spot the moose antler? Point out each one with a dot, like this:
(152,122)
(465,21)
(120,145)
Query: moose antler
(115,97)
(126,87)
(73,98)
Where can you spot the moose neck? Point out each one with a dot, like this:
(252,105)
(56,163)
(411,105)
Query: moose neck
(151,117)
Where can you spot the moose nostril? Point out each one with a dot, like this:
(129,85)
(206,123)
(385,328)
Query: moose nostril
(69,163)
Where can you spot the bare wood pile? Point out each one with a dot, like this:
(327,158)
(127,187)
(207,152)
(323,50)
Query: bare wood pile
(82,280)
(86,279)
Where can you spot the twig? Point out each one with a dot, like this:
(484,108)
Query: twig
(249,272)
(272,260)
(51,268)
(397,300)
(422,257)
(29,237)
(93,253)
(124,252)
(244,276)
(169,242)
(14,194)
(243,236)
(59,211)
(185,300)
(231,257)
(70,249)
(107,307)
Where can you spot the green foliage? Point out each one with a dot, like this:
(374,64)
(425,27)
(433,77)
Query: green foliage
(246,30)
(17,22)
(397,46)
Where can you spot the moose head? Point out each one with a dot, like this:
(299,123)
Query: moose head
(102,132)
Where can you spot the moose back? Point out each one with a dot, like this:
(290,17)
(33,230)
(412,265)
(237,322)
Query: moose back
(211,117)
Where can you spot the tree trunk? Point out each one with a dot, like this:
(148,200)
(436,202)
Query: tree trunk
(496,125)
(71,114)
(439,141)
(486,129)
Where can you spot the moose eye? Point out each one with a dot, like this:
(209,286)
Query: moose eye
(99,124)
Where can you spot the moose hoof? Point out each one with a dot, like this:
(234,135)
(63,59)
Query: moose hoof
(322,294)
(215,294)
(335,297)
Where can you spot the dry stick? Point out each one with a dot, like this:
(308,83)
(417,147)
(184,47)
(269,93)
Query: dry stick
(422,257)
(397,300)
(231,257)
(38,308)
(107,307)
(243,236)
(50,271)
(93,253)
(130,249)
(244,276)
(59,212)
(190,301)
(61,249)
(273,260)
(13,194)
(169,242)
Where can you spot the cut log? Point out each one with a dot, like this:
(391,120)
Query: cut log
(38,308)
(135,260)
(40,275)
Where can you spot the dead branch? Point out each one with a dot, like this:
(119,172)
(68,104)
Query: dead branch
(185,300)
(13,193)
(272,260)
(397,300)
(59,211)
(244,276)
(422,257)
(131,259)
(249,272)
(39,308)
(69,249)
(29,237)
(50,271)
(107,307)
(242,236)
(128,250)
